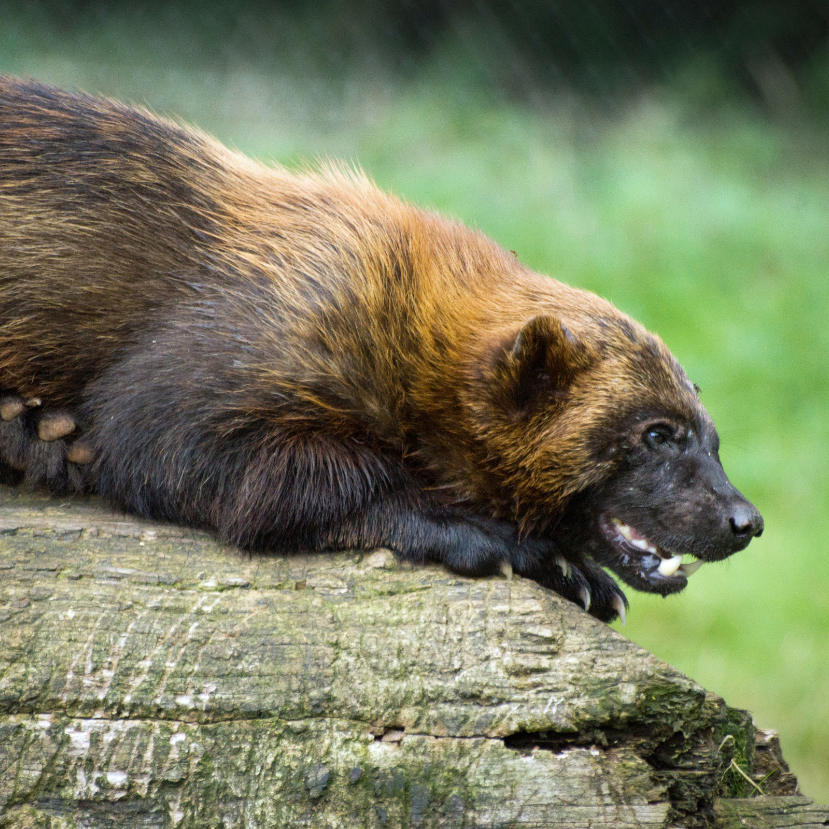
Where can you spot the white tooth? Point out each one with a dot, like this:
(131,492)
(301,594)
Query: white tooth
(633,538)
(624,529)
(641,544)
(690,567)
(585,597)
(669,566)
(619,607)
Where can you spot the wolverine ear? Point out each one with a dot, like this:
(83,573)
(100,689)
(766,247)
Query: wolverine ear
(539,363)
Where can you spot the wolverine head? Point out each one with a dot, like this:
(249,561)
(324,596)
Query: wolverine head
(667,497)
(605,448)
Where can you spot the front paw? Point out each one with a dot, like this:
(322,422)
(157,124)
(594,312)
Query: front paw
(581,581)
(586,584)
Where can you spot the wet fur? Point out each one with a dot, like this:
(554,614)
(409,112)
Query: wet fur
(301,362)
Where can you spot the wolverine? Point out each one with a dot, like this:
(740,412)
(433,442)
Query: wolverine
(301,362)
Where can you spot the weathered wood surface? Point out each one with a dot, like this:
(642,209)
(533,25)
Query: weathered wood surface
(770,813)
(150,677)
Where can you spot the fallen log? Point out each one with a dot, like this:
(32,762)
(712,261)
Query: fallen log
(151,677)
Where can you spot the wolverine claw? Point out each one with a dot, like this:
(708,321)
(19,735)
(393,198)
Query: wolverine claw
(80,453)
(53,426)
(11,407)
(618,605)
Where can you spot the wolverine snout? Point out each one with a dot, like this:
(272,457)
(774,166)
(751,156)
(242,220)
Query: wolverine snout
(746,522)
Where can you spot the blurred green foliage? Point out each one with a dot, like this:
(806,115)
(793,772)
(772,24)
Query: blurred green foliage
(604,47)
(689,184)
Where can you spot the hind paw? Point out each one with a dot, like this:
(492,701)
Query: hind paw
(41,447)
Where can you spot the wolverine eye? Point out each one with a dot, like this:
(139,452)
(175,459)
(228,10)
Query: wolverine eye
(657,435)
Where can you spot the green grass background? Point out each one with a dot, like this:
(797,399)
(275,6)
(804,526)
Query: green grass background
(707,222)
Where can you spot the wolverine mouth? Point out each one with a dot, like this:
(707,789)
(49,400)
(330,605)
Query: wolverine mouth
(642,563)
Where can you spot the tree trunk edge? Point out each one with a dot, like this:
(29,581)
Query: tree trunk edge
(526,703)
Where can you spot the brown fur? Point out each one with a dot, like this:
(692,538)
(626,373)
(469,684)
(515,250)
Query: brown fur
(216,328)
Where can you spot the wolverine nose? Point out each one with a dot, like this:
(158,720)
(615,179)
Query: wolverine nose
(746,522)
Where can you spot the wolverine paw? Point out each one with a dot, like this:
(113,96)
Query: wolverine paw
(582,581)
(586,584)
(41,447)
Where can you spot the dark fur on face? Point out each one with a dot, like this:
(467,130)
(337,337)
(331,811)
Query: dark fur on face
(626,423)
(669,497)
(301,362)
